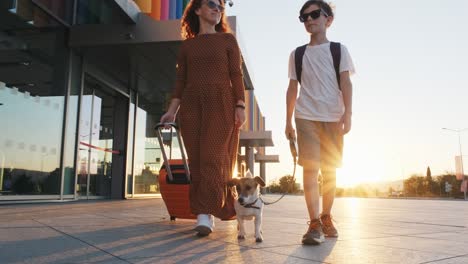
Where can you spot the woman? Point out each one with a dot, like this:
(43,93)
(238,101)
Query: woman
(209,96)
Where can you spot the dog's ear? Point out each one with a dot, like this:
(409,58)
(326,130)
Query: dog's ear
(260,181)
(233,182)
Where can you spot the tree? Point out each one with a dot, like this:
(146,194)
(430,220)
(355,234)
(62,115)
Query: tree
(452,180)
(340,192)
(414,186)
(428,172)
(288,184)
(429,182)
(274,187)
(420,190)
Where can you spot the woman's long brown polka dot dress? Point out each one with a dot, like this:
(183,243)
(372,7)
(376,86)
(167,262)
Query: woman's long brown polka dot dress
(209,84)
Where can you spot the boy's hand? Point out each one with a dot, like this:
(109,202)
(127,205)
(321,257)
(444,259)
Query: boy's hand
(346,123)
(290,131)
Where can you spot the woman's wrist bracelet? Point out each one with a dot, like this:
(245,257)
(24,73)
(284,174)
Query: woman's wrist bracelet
(240,106)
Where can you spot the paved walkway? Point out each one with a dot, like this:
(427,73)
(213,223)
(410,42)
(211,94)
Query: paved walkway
(139,231)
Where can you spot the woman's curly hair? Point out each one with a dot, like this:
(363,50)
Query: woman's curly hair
(191,23)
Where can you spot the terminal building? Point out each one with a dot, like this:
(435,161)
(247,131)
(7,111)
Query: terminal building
(82,85)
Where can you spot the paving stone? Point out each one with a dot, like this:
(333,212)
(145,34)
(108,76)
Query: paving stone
(139,231)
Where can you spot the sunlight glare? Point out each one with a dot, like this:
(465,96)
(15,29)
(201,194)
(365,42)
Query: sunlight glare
(358,169)
(353,208)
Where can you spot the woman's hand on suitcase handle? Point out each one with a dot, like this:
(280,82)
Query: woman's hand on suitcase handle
(167,118)
(170,115)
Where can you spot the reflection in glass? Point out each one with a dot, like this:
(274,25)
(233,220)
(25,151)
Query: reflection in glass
(95,141)
(147,151)
(32,91)
(29,143)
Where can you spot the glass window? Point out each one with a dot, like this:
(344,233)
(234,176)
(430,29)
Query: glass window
(32,85)
(147,152)
(102,138)
(154,93)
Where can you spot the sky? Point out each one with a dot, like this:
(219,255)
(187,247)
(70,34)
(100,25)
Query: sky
(410,59)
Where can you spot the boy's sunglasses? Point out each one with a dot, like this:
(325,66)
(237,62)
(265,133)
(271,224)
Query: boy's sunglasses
(314,15)
(213,5)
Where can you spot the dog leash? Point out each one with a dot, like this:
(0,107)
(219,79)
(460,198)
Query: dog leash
(293,148)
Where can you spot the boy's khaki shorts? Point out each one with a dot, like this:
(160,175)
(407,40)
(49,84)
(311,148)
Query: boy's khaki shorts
(320,143)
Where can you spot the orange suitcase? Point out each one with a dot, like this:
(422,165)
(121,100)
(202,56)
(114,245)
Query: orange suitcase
(174,176)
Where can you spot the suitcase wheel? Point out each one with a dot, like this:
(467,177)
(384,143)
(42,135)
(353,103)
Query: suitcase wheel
(173,218)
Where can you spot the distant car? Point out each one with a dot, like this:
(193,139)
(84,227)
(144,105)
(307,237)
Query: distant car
(395,194)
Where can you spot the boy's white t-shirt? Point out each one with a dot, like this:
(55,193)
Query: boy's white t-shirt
(320,98)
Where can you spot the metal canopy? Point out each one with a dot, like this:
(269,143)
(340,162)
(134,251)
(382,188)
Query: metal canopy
(147,34)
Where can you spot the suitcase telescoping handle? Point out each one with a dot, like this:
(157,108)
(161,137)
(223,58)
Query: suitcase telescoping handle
(159,128)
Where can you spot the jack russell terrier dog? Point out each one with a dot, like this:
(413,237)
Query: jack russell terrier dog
(249,205)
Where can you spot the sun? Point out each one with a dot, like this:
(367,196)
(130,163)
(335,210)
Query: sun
(358,169)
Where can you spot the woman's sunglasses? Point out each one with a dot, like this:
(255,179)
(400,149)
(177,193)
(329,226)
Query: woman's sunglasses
(314,15)
(213,5)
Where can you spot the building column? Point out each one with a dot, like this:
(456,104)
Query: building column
(262,175)
(262,171)
(249,158)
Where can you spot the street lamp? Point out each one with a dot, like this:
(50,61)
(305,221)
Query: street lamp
(460,148)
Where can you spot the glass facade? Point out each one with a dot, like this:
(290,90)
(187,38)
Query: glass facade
(77,122)
(33,68)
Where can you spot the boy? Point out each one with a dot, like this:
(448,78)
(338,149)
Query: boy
(322,115)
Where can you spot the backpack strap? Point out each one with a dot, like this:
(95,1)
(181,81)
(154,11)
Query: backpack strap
(298,55)
(335,48)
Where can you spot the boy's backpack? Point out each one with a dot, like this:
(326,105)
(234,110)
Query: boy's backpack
(335,48)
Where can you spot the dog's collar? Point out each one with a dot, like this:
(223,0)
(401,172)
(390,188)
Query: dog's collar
(251,205)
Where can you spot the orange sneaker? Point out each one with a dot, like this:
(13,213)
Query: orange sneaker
(314,235)
(327,226)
